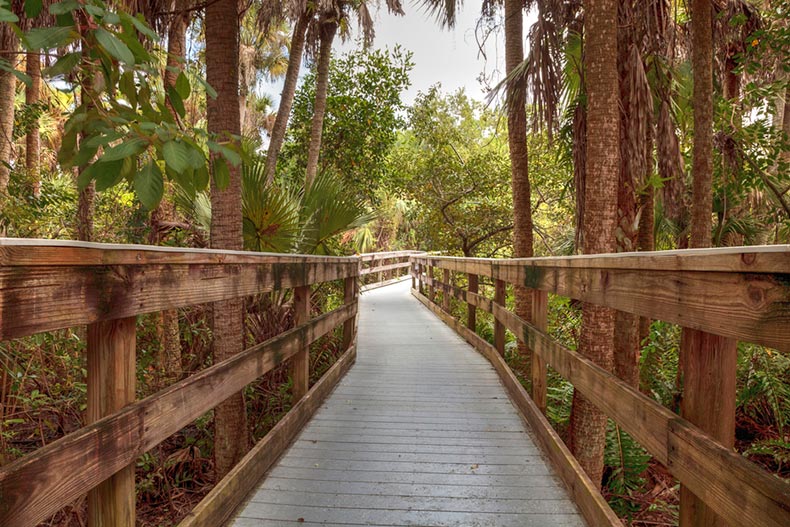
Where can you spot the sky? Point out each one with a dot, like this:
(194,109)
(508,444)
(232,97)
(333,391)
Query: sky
(451,57)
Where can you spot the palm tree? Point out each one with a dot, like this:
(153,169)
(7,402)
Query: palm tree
(289,89)
(327,29)
(322,34)
(588,424)
(222,73)
(8,45)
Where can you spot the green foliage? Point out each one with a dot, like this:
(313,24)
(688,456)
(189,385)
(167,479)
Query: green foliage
(625,462)
(658,364)
(362,116)
(123,127)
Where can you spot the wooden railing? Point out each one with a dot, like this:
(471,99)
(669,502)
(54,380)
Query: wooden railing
(380,269)
(47,286)
(740,293)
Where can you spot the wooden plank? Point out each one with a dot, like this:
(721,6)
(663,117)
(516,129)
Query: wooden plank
(27,252)
(499,328)
(111,383)
(370,257)
(471,309)
(385,283)
(382,268)
(45,298)
(350,297)
(752,259)
(585,494)
(540,302)
(746,304)
(36,486)
(731,485)
(300,363)
(709,366)
(231,491)
(446,291)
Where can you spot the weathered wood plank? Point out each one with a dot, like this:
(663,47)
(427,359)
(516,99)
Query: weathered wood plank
(540,303)
(111,383)
(37,485)
(27,252)
(43,298)
(381,268)
(730,297)
(499,328)
(300,363)
(231,491)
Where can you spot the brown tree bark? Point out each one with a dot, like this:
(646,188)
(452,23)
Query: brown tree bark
(33,138)
(287,95)
(8,45)
(519,160)
(588,424)
(327,31)
(222,73)
(702,156)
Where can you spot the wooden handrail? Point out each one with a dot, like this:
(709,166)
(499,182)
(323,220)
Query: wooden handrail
(47,285)
(737,292)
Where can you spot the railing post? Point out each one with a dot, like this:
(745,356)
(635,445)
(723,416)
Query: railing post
(349,297)
(540,301)
(431,286)
(419,278)
(412,265)
(499,328)
(111,386)
(709,365)
(446,289)
(300,363)
(471,309)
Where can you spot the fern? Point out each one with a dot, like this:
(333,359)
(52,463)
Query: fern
(625,461)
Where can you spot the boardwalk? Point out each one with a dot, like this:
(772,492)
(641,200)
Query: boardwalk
(419,432)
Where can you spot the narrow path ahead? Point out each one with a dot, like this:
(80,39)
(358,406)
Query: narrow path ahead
(419,432)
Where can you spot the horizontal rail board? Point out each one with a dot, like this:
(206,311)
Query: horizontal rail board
(754,259)
(369,257)
(33,252)
(706,467)
(36,486)
(747,305)
(381,268)
(44,298)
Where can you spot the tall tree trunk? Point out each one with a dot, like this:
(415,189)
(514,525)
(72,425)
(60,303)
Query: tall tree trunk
(222,72)
(707,363)
(731,88)
(327,35)
(33,138)
(519,160)
(177,41)
(287,95)
(702,157)
(8,45)
(588,424)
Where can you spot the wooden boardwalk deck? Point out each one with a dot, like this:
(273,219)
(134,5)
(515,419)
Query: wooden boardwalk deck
(419,432)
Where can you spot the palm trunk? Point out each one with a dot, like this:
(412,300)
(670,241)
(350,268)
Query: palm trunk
(287,96)
(222,72)
(328,31)
(33,138)
(519,160)
(588,424)
(8,44)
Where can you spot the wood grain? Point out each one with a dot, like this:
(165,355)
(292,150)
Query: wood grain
(44,298)
(111,386)
(300,363)
(37,485)
(737,295)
